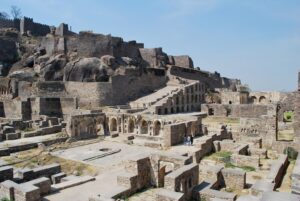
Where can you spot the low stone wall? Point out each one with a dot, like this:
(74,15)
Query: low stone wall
(209,194)
(47,171)
(261,153)
(296,176)
(23,147)
(174,134)
(241,160)
(210,172)
(43,183)
(234,178)
(262,186)
(240,110)
(277,170)
(6,173)
(183,180)
(19,192)
(168,195)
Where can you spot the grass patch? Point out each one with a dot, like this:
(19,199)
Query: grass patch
(33,158)
(221,156)
(245,168)
(224,157)
(28,130)
(288,116)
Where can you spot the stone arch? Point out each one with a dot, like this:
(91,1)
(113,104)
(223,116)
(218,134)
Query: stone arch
(156,128)
(100,130)
(253,99)
(113,125)
(131,126)
(262,99)
(144,127)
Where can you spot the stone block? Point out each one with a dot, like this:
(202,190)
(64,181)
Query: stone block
(234,178)
(12,136)
(56,178)
(43,183)
(262,186)
(27,192)
(6,173)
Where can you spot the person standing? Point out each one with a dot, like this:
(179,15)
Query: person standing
(192,138)
(189,140)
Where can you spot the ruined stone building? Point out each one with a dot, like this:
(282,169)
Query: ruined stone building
(90,85)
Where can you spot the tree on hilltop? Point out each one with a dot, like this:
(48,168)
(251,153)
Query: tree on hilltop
(15,12)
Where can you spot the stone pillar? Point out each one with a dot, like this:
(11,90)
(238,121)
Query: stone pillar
(297,114)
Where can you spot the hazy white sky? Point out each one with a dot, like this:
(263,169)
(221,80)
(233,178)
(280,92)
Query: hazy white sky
(257,41)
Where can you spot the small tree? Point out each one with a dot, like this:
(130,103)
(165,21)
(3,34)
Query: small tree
(15,12)
(4,15)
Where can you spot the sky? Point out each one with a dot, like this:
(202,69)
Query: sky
(257,41)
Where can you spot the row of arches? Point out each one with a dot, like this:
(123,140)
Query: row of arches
(133,126)
(260,99)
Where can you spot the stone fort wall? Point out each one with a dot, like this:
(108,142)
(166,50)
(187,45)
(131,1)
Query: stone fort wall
(8,23)
(211,80)
(27,24)
(118,91)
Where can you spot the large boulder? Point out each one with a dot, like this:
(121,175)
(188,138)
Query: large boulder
(87,70)
(53,69)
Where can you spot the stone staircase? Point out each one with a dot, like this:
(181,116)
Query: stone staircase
(153,98)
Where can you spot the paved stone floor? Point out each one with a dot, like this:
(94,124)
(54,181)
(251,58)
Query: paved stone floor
(109,167)
(148,195)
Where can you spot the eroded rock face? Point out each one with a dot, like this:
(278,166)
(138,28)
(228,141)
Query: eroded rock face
(8,50)
(86,70)
(24,75)
(53,69)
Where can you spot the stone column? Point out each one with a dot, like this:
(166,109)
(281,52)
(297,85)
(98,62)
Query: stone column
(297,114)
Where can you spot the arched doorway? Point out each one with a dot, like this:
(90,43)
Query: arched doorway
(100,129)
(144,127)
(130,126)
(262,99)
(113,125)
(253,100)
(156,128)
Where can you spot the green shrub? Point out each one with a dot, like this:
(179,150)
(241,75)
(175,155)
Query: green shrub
(291,153)
(288,116)
(246,168)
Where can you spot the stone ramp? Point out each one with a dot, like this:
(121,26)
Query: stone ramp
(153,98)
(71,183)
